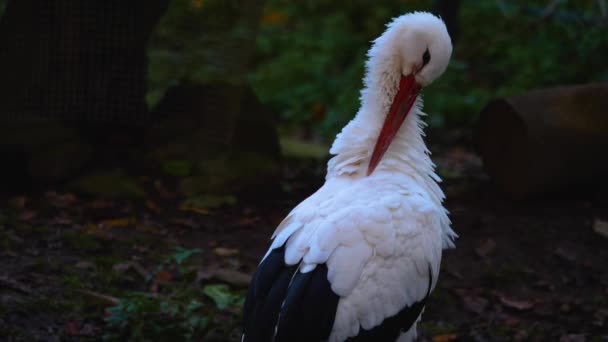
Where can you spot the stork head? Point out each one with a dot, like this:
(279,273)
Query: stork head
(419,46)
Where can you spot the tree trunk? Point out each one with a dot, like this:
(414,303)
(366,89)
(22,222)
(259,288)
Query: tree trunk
(76,60)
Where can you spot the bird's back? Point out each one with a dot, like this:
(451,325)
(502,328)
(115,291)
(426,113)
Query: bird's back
(357,258)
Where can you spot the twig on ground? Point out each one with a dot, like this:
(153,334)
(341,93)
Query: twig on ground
(107,299)
(15,285)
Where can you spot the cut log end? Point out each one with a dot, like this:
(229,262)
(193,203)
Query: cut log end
(501,137)
(546,140)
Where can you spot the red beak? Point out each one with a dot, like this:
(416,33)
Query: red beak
(400,108)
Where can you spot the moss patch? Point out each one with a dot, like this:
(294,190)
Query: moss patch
(81,241)
(110,184)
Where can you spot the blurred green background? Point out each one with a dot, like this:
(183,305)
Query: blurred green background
(309,55)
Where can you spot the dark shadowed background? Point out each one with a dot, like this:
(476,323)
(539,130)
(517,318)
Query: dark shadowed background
(149,148)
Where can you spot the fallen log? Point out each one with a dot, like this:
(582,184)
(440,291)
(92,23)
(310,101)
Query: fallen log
(546,140)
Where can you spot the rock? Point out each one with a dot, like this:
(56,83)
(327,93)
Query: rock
(59,162)
(217,138)
(110,184)
(40,152)
(214,117)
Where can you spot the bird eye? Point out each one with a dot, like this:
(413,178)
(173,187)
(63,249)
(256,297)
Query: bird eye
(426,58)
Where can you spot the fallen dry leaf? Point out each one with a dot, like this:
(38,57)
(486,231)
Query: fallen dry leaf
(184,222)
(572,338)
(521,335)
(15,285)
(225,252)
(89,330)
(163,277)
(475,304)
(84,265)
(184,206)
(117,222)
(153,207)
(61,221)
(100,204)
(544,285)
(520,305)
(121,267)
(72,328)
(99,232)
(544,309)
(455,274)
(9,253)
(511,321)
(162,190)
(60,200)
(233,277)
(565,254)
(445,338)
(601,227)
(18,202)
(248,221)
(600,317)
(228,276)
(126,266)
(28,215)
(486,247)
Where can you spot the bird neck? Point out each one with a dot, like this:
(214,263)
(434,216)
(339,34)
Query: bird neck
(407,158)
(353,147)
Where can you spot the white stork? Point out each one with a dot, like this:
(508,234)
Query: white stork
(357,260)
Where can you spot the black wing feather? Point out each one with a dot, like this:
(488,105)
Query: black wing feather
(310,308)
(296,306)
(265,296)
(284,305)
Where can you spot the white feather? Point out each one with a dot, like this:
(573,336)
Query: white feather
(379,234)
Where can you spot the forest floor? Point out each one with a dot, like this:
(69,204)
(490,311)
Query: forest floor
(77,267)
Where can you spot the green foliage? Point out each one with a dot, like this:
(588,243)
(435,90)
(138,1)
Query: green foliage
(312,59)
(81,241)
(109,184)
(146,317)
(177,168)
(179,310)
(2,7)
(181,254)
(200,40)
(309,57)
(223,296)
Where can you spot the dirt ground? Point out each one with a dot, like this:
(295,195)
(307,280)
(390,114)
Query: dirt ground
(528,271)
